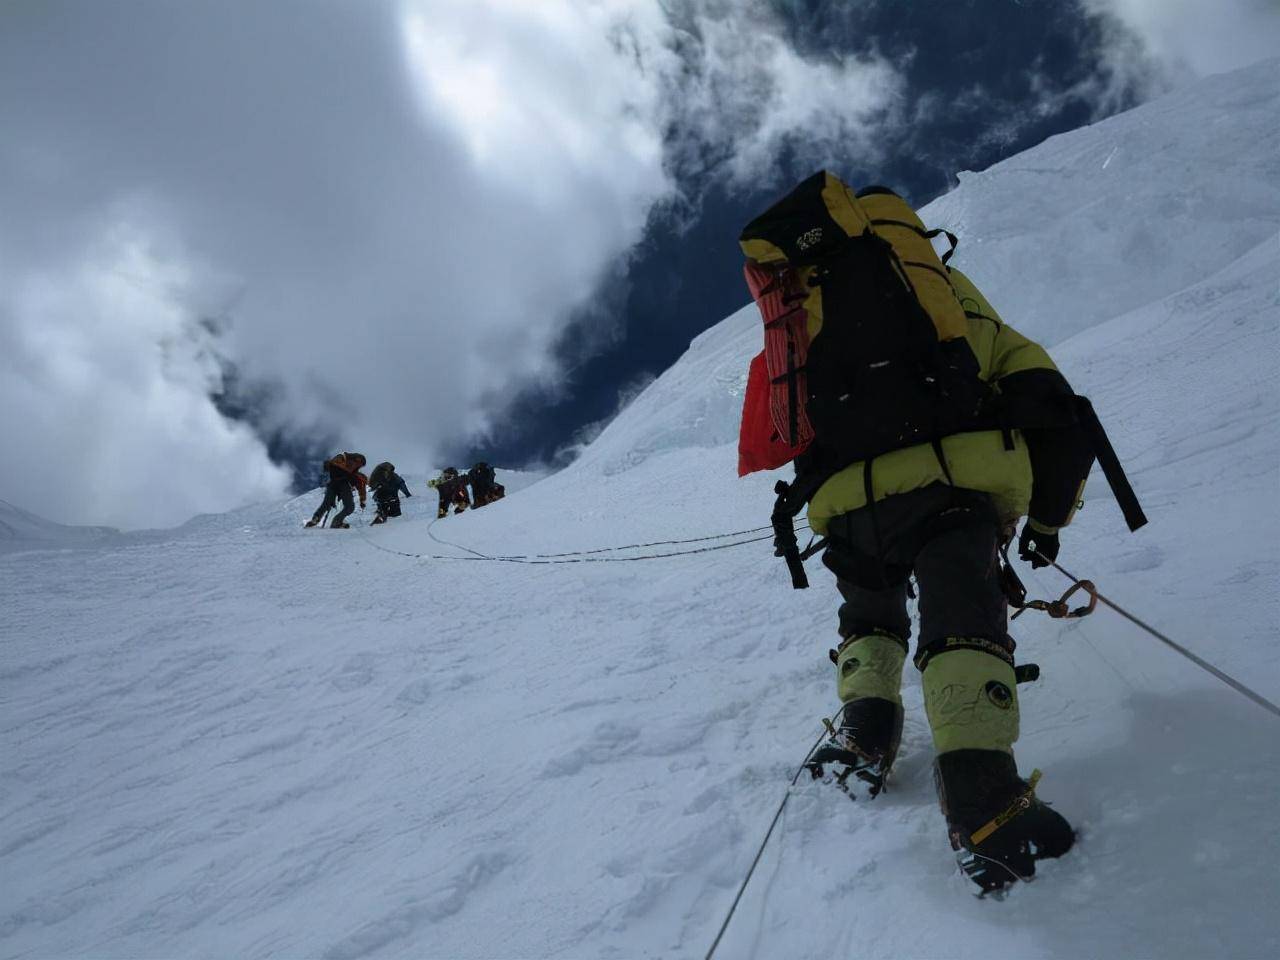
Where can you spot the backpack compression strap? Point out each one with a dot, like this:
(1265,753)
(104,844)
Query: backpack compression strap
(1110,463)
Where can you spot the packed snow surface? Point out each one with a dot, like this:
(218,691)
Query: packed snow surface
(243,738)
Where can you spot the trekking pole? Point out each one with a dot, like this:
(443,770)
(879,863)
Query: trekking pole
(1200,662)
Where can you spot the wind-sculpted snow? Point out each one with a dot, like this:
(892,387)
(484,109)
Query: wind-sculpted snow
(1100,221)
(20,530)
(243,738)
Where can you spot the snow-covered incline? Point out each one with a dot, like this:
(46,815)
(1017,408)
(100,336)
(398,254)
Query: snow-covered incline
(21,530)
(242,738)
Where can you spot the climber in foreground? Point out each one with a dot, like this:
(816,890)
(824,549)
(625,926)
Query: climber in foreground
(344,474)
(922,427)
(386,486)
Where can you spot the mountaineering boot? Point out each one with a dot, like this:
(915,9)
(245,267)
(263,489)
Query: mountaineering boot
(861,750)
(379,519)
(339,525)
(997,826)
(311,523)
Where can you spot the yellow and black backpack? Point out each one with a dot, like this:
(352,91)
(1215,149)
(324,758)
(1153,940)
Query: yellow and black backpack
(865,344)
(864,335)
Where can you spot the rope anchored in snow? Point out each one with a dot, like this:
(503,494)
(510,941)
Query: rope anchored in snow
(1176,647)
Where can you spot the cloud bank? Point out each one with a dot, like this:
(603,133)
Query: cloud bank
(372,224)
(1186,39)
(111,421)
(391,210)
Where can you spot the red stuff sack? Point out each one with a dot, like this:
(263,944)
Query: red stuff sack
(775,427)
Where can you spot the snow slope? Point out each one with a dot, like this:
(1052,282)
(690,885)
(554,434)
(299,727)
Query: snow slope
(242,738)
(20,530)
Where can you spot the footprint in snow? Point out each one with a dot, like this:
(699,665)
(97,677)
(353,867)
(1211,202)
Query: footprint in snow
(415,693)
(1144,558)
(609,741)
(357,672)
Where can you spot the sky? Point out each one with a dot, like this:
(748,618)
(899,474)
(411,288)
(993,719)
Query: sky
(236,237)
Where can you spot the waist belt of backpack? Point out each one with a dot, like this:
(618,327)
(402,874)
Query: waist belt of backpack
(792,497)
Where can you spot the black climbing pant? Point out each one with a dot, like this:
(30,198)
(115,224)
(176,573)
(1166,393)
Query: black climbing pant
(335,491)
(949,538)
(387,506)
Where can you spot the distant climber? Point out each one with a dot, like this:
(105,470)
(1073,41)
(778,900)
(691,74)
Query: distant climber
(344,474)
(921,427)
(484,486)
(453,491)
(386,486)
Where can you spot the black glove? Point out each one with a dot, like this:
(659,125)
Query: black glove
(1038,549)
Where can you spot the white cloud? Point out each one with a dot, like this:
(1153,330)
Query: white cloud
(741,92)
(1195,38)
(403,201)
(106,388)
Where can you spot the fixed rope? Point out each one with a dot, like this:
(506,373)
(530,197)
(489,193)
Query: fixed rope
(1176,647)
(763,843)
(586,556)
(599,550)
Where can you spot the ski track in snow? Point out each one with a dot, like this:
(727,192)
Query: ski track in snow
(245,738)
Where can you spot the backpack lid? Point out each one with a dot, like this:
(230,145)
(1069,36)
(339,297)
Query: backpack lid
(810,222)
